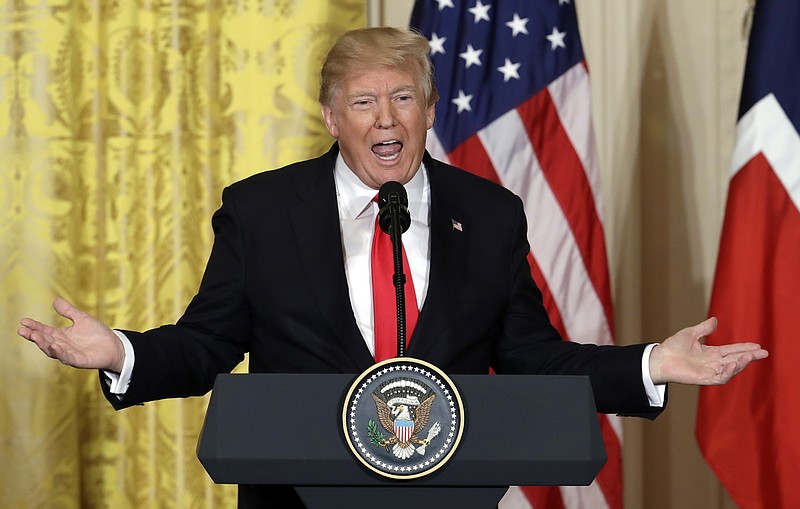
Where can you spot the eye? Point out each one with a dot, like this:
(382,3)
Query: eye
(362,103)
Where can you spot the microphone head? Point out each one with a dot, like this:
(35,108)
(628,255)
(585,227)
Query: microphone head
(393,194)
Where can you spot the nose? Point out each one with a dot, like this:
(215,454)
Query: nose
(385,116)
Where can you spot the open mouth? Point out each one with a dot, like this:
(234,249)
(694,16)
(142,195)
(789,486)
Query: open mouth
(387,150)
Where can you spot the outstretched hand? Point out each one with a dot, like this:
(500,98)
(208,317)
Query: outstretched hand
(87,343)
(683,358)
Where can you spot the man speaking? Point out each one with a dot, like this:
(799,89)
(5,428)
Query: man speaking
(289,278)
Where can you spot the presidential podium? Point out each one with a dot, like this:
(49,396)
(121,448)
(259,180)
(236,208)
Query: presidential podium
(287,429)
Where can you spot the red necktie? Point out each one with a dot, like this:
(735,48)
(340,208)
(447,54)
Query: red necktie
(384,300)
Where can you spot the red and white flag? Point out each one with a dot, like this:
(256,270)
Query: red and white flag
(515,108)
(749,429)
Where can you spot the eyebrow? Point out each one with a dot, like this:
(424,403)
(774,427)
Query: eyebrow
(401,88)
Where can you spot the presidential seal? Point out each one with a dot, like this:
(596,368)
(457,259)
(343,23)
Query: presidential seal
(403,418)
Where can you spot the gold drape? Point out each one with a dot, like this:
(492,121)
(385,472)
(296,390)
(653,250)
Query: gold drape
(120,122)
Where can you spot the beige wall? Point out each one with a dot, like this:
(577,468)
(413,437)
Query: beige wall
(666,77)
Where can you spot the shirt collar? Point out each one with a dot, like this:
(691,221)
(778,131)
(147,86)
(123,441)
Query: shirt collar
(355,197)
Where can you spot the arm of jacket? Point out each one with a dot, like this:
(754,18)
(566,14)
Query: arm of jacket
(274,286)
(527,345)
(484,311)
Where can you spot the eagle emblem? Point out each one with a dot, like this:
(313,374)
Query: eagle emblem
(403,406)
(403,418)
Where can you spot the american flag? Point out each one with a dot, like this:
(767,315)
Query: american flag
(748,429)
(515,108)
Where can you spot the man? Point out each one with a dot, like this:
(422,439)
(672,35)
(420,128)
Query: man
(288,279)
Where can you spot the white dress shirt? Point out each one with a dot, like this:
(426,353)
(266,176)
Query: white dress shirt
(357,213)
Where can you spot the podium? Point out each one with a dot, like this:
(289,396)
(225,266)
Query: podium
(287,429)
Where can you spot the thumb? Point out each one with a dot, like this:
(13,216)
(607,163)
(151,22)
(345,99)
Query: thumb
(706,327)
(67,310)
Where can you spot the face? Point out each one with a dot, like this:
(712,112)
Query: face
(380,119)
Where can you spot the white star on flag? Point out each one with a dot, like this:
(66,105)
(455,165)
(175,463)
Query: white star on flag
(445,3)
(471,56)
(509,70)
(437,44)
(480,11)
(462,101)
(556,39)
(518,25)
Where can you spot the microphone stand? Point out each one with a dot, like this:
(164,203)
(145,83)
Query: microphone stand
(399,278)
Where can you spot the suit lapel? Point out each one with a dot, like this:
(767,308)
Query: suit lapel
(449,231)
(316,231)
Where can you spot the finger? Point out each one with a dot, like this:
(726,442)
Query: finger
(34,326)
(735,364)
(745,358)
(728,372)
(54,350)
(25,332)
(59,352)
(740,348)
(43,341)
(734,368)
(51,346)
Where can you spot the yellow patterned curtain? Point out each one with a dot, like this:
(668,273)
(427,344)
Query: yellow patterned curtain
(120,122)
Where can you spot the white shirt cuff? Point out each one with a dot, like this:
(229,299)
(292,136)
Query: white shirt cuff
(655,393)
(118,382)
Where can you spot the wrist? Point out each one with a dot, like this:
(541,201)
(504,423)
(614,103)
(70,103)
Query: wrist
(118,361)
(656,365)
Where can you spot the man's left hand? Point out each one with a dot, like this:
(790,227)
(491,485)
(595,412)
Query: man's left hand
(683,358)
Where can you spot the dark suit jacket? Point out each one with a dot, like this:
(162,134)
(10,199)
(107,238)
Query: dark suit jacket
(275,286)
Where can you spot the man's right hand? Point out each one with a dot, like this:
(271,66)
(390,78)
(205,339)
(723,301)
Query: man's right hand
(87,343)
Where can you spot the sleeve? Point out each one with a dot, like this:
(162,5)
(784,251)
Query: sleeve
(118,382)
(211,337)
(529,343)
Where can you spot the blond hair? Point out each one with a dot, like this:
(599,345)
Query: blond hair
(377,47)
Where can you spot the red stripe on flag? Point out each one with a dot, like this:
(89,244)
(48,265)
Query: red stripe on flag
(747,429)
(547,298)
(472,157)
(567,179)
(610,476)
(548,497)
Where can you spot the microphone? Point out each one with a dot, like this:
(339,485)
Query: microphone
(393,203)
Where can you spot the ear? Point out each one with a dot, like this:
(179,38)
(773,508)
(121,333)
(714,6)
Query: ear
(330,121)
(430,114)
